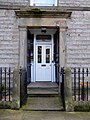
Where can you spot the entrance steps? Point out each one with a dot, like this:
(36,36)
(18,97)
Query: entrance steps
(43,96)
(42,89)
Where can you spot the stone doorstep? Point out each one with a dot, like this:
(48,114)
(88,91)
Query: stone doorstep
(43,104)
(42,85)
(43,92)
(43,89)
(43,95)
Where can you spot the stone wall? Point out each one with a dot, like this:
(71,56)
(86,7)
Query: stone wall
(83,3)
(14,2)
(9,39)
(78,39)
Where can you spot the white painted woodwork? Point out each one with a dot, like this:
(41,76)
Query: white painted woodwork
(43,69)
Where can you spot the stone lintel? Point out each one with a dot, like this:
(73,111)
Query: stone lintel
(38,27)
(62,28)
(37,13)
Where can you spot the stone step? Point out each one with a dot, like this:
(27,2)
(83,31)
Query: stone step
(42,89)
(43,104)
(42,92)
(36,88)
(42,95)
(43,85)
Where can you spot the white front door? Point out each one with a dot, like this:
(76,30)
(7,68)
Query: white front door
(43,62)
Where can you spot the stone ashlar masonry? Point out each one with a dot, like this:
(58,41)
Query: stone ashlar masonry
(78,34)
(61,2)
(9,39)
(78,3)
(15,2)
(77,39)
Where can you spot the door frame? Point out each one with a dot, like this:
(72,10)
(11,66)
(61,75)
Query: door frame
(23,43)
(52,57)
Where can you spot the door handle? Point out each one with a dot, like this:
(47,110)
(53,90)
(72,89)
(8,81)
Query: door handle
(43,65)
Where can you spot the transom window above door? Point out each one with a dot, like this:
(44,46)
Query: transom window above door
(43,2)
(43,38)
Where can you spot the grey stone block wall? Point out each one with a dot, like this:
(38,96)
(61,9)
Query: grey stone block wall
(83,3)
(78,39)
(9,39)
(15,2)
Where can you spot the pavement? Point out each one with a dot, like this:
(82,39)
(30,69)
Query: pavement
(42,115)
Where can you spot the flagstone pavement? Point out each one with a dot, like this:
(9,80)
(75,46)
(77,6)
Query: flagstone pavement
(42,115)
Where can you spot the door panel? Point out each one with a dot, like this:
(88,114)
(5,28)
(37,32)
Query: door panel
(43,63)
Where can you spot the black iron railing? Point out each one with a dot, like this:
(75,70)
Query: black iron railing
(6,76)
(80,83)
